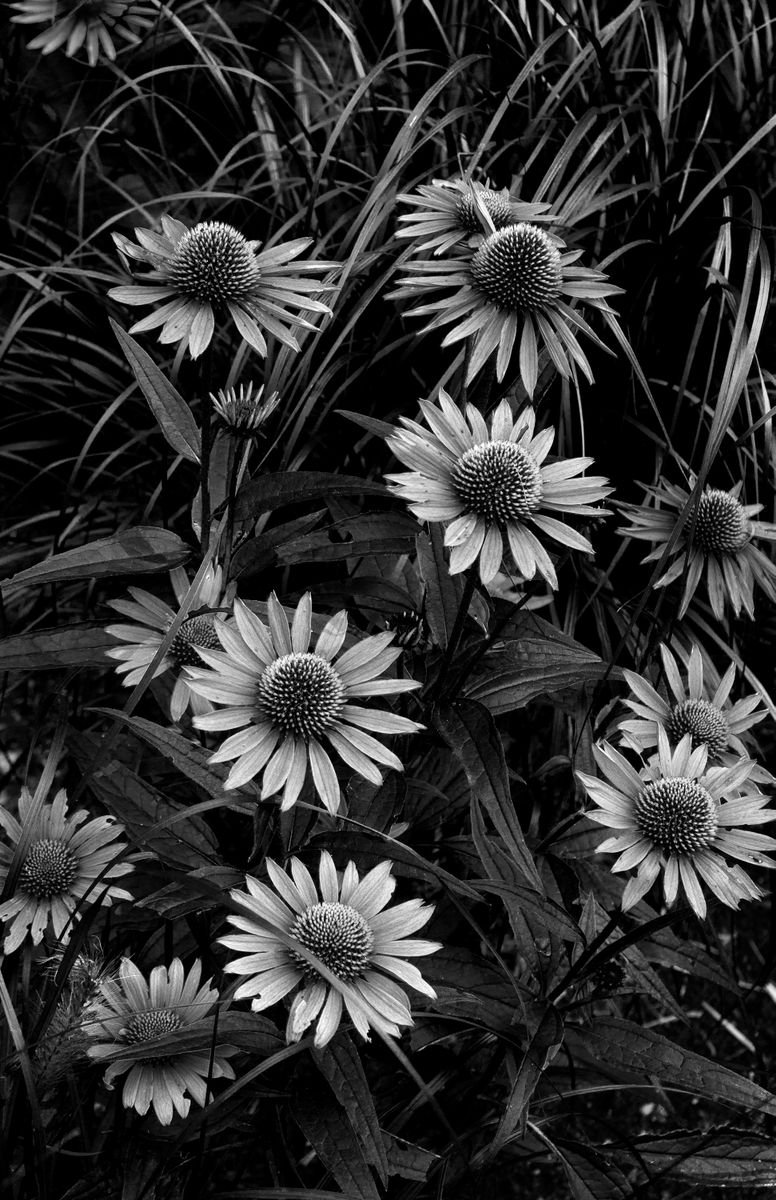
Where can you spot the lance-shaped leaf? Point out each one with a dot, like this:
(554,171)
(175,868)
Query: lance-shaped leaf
(341,1067)
(718,1157)
(327,1127)
(136,551)
(280,488)
(49,649)
(470,732)
(173,415)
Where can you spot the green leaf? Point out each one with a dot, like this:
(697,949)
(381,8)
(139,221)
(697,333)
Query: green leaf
(353,537)
(540,910)
(535,659)
(341,1067)
(591,1173)
(49,649)
(443,590)
(247,1031)
(137,551)
(173,415)
(718,1157)
(620,1045)
(280,488)
(329,1131)
(470,732)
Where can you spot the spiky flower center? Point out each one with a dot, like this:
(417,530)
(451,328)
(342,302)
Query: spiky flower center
(499,481)
(214,264)
(48,870)
(721,526)
(338,935)
(496,206)
(677,815)
(703,721)
(195,631)
(518,269)
(144,1026)
(302,694)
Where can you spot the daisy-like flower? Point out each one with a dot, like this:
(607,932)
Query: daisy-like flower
(285,699)
(199,272)
(492,486)
(242,412)
(512,291)
(345,928)
(709,716)
(68,860)
(153,619)
(681,816)
(716,540)
(454,211)
(131,1013)
(88,24)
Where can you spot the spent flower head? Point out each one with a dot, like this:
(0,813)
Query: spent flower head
(287,700)
(452,212)
(133,1026)
(716,541)
(344,925)
(683,817)
(491,487)
(92,25)
(211,269)
(68,860)
(152,619)
(511,293)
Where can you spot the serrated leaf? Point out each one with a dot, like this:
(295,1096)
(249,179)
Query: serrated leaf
(624,1046)
(132,552)
(443,591)
(280,488)
(535,659)
(353,537)
(326,1127)
(341,1067)
(542,911)
(48,649)
(718,1157)
(173,415)
(591,1174)
(247,1031)
(189,891)
(469,731)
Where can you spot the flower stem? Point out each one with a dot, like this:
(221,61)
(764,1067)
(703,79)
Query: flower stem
(205,380)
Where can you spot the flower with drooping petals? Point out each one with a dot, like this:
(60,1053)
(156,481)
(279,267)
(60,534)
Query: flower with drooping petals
(154,619)
(512,292)
(286,700)
(211,268)
(132,1013)
(492,488)
(344,925)
(85,24)
(707,715)
(455,211)
(716,540)
(68,860)
(680,816)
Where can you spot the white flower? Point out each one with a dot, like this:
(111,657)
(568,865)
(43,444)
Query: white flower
(343,925)
(132,1012)
(286,700)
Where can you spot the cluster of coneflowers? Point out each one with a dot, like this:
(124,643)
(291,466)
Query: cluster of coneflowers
(293,691)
